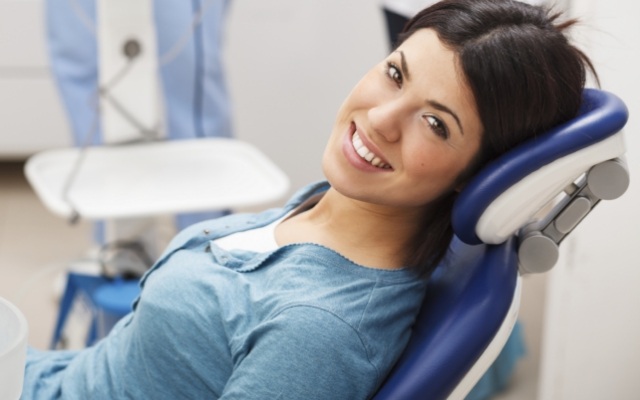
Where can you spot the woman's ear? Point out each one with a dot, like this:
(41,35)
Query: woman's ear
(460,186)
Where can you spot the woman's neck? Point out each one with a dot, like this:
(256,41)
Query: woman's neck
(368,234)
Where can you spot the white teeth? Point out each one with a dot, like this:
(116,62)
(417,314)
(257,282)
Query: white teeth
(366,154)
(363,151)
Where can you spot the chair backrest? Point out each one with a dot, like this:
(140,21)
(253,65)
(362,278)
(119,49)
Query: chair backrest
(464,306)
(469,297)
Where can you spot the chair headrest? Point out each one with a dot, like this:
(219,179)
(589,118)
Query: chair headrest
(507,193)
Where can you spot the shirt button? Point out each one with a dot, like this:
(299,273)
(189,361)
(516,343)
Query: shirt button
(206,231)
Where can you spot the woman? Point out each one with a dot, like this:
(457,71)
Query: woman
(316,300)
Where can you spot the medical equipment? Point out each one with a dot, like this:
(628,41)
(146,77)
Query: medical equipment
(13,350)
(126,81)
(472,303)
(137,178)
(156,178)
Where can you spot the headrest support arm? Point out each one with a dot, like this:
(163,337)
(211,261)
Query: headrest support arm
(506,195)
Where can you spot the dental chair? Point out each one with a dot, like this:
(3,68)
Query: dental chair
(508,221)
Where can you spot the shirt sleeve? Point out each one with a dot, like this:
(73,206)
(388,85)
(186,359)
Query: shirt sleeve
(303,353)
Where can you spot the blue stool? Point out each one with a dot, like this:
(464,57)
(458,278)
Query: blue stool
(109,299)
(112,302)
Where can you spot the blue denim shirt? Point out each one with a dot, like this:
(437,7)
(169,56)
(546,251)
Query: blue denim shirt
(300,322)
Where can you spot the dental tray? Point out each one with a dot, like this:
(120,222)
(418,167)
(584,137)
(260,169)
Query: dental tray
(155,178)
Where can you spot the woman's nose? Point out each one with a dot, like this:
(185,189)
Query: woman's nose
(385,120)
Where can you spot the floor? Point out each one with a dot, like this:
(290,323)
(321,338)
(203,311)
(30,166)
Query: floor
(37,246)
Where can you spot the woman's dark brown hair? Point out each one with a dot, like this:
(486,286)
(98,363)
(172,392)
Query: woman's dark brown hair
(525,77)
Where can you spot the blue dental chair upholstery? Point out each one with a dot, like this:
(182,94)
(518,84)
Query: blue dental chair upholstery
(473,298)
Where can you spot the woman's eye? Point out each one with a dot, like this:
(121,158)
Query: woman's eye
(437,126)
(394,73)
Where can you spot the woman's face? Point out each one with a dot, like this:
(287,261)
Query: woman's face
(407,130)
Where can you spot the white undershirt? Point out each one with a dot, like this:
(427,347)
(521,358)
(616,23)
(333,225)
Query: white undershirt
(262,239)
(259,239)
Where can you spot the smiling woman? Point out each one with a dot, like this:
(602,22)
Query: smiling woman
(407,120)
(401,115)
(316,300)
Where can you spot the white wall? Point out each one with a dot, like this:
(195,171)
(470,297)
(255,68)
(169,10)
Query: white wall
(290,64)
(591,345)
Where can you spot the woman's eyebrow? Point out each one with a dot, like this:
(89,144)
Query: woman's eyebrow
(443,108)
(403,65)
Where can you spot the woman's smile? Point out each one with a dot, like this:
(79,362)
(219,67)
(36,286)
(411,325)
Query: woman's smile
(407,130)
(361,153)
(366,154)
